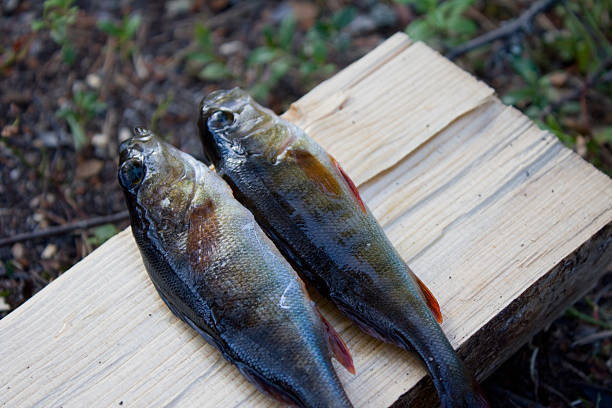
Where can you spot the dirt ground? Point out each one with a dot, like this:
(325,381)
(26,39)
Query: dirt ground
(155,75)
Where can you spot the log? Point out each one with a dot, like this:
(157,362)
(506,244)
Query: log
(504,224)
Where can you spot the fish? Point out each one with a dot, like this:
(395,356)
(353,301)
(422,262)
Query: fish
(312,211)
(218,272)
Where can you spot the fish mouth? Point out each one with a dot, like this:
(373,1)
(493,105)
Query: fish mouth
(232,100)
(135,145)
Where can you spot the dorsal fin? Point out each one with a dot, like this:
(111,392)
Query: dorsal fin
(337,345)
(429,298)
(350,183)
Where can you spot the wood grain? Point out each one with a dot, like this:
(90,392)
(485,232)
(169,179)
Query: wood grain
(505,225)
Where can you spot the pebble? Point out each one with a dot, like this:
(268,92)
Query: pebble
(49,251)
(9,6)
(231,47)
(177,7)
(94,81)
(18,250)
(360,25)
(14,174)
(3,305)
(100,140)
(383,15)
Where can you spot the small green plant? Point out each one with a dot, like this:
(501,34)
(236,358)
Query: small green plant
(160,111)
(85,106)
(123,33)
(278,56)
(101,234)
(58,15)
(204,61)
(441,24)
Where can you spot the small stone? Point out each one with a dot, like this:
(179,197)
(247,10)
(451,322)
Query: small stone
(361,25)
(14,174)
(383,15)
(4,307)
(9,6)
(49,139)
(49,251)
(78,86)
(94,81)
(177,7)
(18,250)
(231,47)
(99,140)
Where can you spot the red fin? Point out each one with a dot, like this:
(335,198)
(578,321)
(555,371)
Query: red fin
(337,346)
(429,298)
(350,184)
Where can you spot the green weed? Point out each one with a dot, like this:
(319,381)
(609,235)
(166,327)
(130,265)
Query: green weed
(280,55)
(58,16)
(441,24)
(123,33)
(101,234)
(84,106)
(204,61)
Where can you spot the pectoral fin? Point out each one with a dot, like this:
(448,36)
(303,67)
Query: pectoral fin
(316,172)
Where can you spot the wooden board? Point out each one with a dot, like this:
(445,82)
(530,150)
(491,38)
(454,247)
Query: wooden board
(504,224)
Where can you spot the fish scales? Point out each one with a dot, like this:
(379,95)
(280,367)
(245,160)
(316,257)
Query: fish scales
(312,211)
(216,270)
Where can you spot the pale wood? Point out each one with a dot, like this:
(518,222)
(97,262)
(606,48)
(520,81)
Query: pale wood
(505,225)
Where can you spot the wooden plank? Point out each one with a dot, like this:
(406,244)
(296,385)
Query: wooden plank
(505,225)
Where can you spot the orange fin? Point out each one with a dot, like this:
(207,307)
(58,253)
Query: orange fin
(350,184)
(338,346)
(429,298)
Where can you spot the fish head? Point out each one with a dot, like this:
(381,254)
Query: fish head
(158,182)
(233,125)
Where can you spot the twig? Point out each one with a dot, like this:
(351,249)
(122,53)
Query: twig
(63,229)
(599,75)
(593,338)
(559,395)
(509,29)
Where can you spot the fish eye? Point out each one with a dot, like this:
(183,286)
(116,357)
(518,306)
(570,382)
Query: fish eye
(131,174)
(220,119)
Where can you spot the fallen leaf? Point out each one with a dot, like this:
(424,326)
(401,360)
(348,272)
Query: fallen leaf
(89,168)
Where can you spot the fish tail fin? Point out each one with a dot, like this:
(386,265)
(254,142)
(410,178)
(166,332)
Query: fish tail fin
(337,346)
